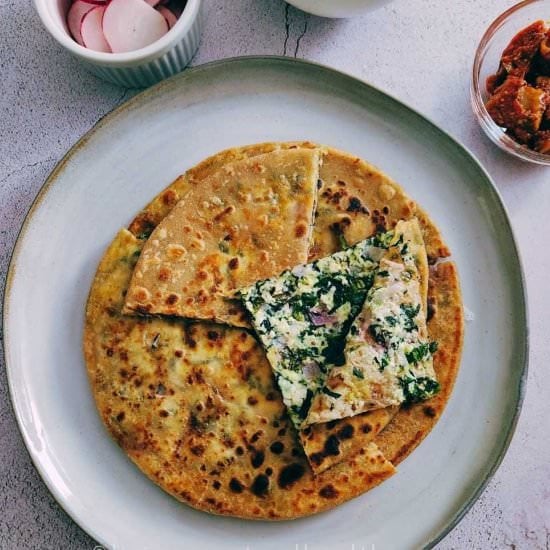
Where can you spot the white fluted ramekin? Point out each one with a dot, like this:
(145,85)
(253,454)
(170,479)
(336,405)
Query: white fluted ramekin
(165,57)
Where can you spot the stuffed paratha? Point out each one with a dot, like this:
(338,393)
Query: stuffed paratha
(306,315)
(387,355)
(445,326)
(249,219)
(354,198)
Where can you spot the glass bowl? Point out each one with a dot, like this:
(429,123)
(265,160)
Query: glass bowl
(486,62)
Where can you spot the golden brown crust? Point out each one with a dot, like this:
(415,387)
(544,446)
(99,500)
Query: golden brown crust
(333,442)
(196,408)
(345,177)
(446,327)
(134,372)
(357,199)
(246,221)
(154,212)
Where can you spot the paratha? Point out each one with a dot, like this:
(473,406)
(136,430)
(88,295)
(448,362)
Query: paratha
(195,406)
(388,359)
(354,200)
(339,218)
(249,219)
(335,441)
(302,317)
(446,326)
(349,184)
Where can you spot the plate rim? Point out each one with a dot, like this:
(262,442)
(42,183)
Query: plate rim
(446,527)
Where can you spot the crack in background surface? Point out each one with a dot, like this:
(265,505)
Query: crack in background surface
(24,167)
(299,39)
(294,19)
(287,27)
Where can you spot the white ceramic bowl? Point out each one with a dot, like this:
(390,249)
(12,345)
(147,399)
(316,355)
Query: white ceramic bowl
(136,69)
(337,8)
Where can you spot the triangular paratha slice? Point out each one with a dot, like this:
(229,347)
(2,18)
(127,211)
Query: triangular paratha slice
(249,220)
(329,443)
(446,326)
(303,315)
(388,357)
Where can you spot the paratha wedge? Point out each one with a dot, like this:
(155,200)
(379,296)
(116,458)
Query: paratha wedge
(355,200)
(195,407)
(446,326)
(250,219)
(388,357)
(302,316)
(160,206)
(330,443)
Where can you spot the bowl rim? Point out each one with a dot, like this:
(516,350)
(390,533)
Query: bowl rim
(491,128)
(143,55)
(335,10)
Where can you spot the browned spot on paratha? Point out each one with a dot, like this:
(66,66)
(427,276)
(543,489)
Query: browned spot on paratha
(329,443)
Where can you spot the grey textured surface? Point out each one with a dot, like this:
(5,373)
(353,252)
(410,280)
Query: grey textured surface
(418,50)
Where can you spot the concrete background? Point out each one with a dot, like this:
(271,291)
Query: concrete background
(418,50)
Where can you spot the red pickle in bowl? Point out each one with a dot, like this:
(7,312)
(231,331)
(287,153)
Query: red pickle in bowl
(520,90)
(118,26)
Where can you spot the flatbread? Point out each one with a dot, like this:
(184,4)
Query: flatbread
(248,220)
(149,217)
(387,354)
(355,199)
(446,326)
(195,407)
(302,316)
(340,173)
(332,442)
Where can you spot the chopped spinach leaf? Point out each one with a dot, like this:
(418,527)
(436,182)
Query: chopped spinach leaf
(418,389)
(410,312)
(378,334)
(334,394)
(358,373)
(421,352)
(303,410)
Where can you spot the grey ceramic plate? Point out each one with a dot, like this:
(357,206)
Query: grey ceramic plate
(129,157)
